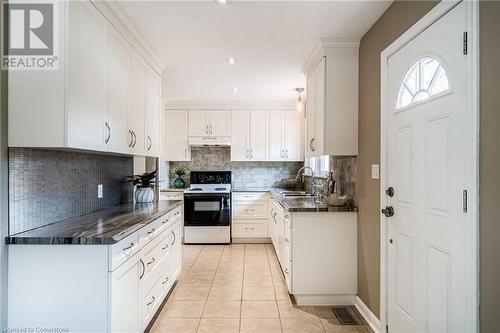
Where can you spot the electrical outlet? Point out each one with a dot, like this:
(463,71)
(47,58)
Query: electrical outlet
(99,191)
(375,171)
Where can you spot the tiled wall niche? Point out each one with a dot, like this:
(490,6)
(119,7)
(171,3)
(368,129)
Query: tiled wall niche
(245,174)
(47,186)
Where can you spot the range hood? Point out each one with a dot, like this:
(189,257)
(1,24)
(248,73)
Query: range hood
(205,141)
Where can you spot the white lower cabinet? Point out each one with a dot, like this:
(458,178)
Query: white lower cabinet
(104,288)
(317,252)
(249,215)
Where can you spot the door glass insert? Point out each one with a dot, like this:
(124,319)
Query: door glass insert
(425,78)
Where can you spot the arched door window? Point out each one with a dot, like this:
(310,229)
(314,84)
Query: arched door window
(425,78)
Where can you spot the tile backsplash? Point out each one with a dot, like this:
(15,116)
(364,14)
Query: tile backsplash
(245,174)
(47,186)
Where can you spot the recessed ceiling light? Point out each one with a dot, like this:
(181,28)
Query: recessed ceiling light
(235,89)
(231,61)
(222,2)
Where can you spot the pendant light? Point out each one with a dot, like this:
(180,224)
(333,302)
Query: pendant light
(300,105)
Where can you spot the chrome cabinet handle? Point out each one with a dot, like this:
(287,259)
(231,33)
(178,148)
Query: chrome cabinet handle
(166,280)
(311,144)
(150,232)
(166,246)
(109,133)
(152,261)
(173,242)
(185,153)
(286,240)
(143,269)
(286,152)
(128,247)
(206,131)
(274,218)
(131,138)
(286,271)
(150,143)
(211,129)
(166,221)
(152,301)
(135,139)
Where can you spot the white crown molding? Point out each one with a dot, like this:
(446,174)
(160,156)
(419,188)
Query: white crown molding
(123,24)
(228,105)
(330,47)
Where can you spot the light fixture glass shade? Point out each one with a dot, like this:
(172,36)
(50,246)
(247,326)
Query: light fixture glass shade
(300,106)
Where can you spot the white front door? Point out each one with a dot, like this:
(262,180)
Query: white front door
(429,166)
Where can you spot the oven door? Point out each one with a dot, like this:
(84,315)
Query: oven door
(207,210)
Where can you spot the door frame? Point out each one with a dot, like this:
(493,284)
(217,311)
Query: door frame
(431,17)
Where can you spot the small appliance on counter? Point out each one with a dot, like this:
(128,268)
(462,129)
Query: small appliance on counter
(207,208)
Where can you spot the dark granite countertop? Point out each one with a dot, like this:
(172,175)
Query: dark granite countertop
(308,204)
(107,226)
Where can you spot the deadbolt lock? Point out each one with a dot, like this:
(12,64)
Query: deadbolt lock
(390,191)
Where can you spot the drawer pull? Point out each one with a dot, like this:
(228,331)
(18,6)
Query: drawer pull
(166,221)
(287,216)
(287,240)
(152,261)
(128,247)
(286,271)
(143,269)
(173,242)
(166,246)
(152,301)
(150,232)
(166,280)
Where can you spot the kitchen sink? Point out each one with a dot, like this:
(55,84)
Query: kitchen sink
(296,194)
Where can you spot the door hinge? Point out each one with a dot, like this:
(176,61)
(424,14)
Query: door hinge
(464,201)
(465,43)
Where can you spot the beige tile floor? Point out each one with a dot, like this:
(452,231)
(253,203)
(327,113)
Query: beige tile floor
(239,288)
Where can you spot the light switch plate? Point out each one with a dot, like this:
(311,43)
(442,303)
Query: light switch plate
(375,171)
(99,191)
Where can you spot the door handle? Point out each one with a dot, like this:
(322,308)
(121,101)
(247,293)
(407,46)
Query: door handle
(388,211)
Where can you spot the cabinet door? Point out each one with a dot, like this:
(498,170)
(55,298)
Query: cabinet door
(259,135)
(320,102)
(87,99)
(176,136)
(137,115)
(310,112)
(220,122)
(153,115)
(119,85)
(293,136)
(276,149)
(239,135)
(198,123)
(125,296)
(176,237)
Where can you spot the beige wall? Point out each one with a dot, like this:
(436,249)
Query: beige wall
(397,18)
(489,190)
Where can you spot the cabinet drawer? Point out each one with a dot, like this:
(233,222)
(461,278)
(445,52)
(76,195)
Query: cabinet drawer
(154,259)
(246,211)
(123,250)
(242,229)
(250,196)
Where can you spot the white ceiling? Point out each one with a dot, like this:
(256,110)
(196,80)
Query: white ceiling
(270,40)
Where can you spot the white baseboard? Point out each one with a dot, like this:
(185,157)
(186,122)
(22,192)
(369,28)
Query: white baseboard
(250,240)
(323,300)
(370,318)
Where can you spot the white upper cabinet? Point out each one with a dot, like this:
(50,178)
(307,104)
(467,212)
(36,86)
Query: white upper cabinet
(87,97)
(239,135)
(219,122)
(153,116)
(332,99)
(209,123)
(137,115)
(100,97)
(175,141)
(121,139)
(249,135)
(286,136)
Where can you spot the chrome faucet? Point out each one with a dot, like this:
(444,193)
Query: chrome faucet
(314,187)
